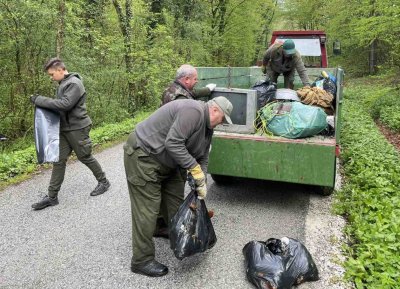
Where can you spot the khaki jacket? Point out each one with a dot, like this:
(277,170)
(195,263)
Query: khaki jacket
(275,59)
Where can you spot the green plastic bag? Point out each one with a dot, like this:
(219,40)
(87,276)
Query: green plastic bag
(292,119)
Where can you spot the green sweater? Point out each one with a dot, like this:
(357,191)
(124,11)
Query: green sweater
(178,134)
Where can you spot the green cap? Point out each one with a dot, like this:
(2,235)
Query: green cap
(289,47)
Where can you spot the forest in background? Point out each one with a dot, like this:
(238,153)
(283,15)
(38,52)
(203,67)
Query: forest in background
(128,51)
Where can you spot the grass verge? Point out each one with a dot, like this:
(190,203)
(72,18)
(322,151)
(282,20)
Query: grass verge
(370,198)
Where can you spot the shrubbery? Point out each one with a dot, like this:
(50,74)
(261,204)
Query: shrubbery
(386,108)
(370,197)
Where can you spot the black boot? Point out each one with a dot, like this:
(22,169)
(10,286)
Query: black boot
(161,229)
(101,188)
(150,268)
(161,233)
(45,202)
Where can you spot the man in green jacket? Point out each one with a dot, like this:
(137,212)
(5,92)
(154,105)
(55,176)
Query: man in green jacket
(183,86)
(174,140)
(283,58)
(75,125)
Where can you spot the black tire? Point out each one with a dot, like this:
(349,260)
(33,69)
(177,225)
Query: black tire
(220,179)
(325,191)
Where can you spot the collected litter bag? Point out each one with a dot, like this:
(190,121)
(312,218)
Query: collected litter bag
(278,263)
(292,119)
(327,84)
(266,91)
(191,229)
(47,135)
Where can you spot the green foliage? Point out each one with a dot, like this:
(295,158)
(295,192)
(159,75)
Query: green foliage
(370,197)
(306,14)
(88,37)
(24,161)
(160,63)
(368,30)
(381,98)
(23,46)
(17,163)
(241,51)
(111,132)
(387,109)
(390,116)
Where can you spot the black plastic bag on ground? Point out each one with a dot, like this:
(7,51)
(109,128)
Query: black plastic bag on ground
(278,263)
(191,230)
(47,135)
(266,91)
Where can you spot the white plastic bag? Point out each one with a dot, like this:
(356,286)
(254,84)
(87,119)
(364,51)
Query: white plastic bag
(47,135)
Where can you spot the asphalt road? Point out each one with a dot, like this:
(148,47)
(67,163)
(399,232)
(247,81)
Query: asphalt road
(85,242)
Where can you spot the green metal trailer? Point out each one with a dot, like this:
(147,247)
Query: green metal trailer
(309,161)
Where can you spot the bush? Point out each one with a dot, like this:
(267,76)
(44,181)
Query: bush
(370,197)
(391,117)
(386,108)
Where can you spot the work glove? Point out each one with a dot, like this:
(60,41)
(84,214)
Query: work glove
(264,69)
(33,98)
(211,86)
(199,181)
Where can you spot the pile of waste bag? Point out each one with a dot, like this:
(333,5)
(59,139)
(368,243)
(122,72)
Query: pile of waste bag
(278,263)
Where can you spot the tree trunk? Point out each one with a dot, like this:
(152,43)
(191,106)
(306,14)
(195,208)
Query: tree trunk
(372,57)
(60,28)
(126,30)
(156,7)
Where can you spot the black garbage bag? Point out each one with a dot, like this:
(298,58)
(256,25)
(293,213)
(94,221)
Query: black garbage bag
(278,263)
(325,83)
(266,91)
(47,135)
(191,230)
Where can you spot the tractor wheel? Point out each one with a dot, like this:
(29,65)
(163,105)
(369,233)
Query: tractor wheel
(221,179)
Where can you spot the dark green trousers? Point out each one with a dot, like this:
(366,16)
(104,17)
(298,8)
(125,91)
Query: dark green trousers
(288,77)
(79,142)
(152,187)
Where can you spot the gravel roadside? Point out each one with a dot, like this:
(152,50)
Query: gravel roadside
(324,238)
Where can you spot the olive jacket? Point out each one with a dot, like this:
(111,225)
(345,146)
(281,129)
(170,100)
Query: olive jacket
(177,134)
(275,59)
(70,103)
